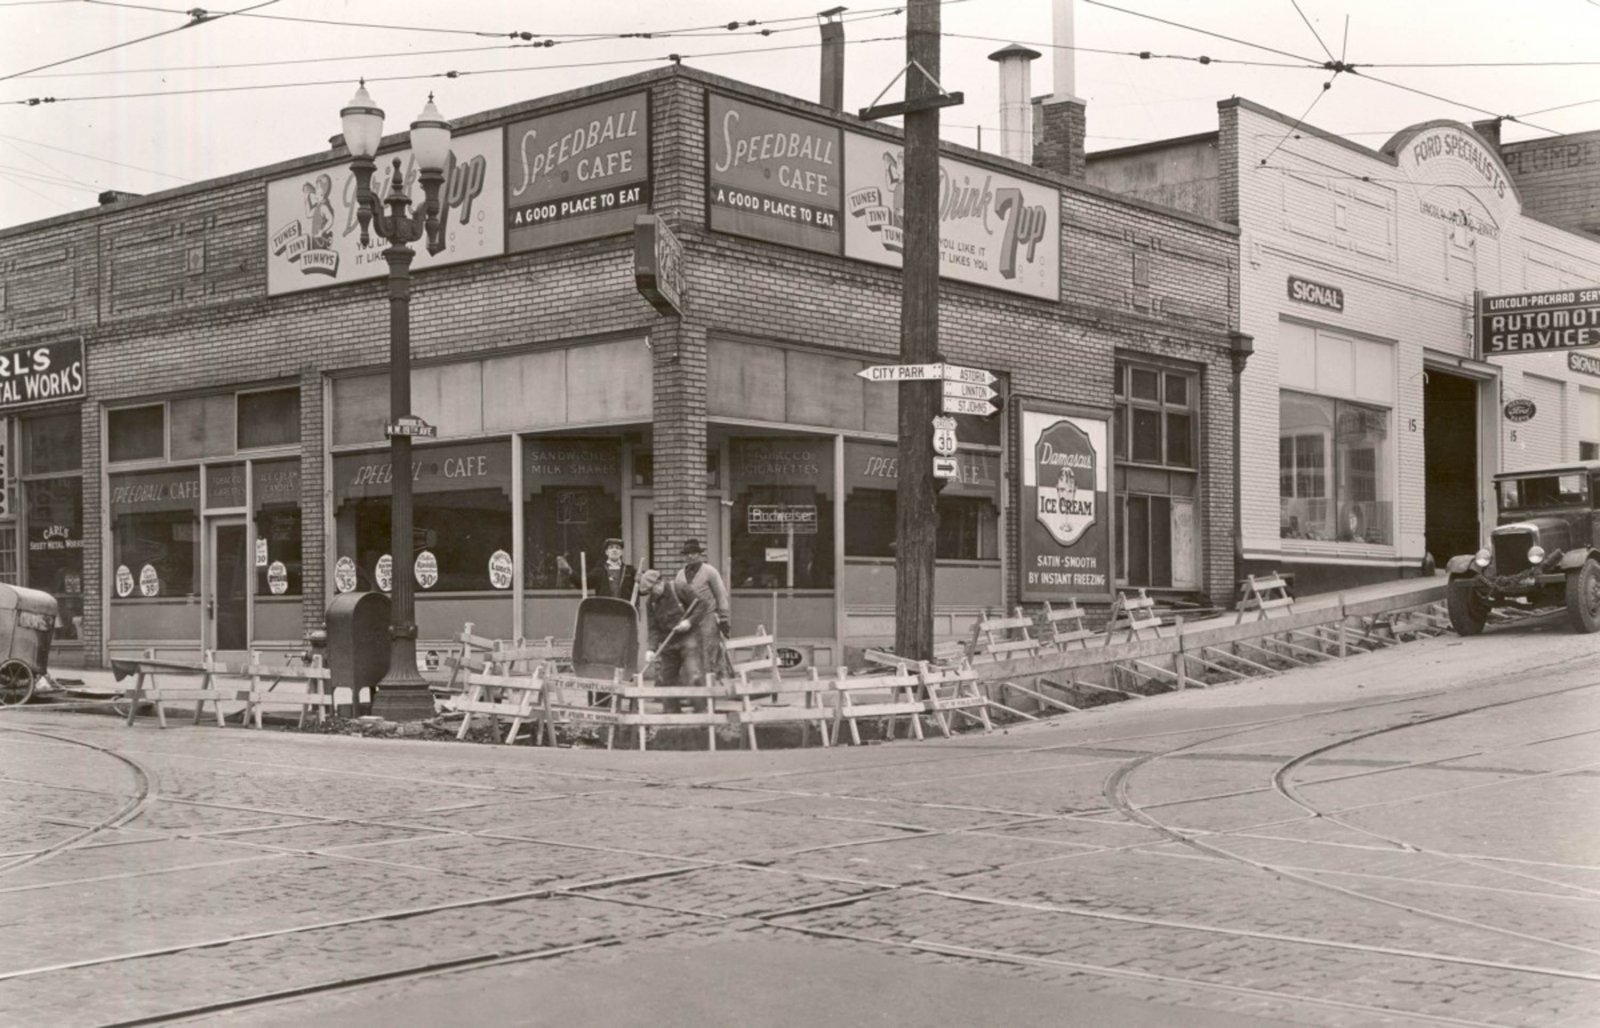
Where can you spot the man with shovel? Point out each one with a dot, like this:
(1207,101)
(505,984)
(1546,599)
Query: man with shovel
(671,631)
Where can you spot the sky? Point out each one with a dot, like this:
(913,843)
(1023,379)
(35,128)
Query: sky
(265,84)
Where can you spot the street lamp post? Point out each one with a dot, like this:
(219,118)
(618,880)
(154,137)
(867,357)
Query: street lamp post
(402,694)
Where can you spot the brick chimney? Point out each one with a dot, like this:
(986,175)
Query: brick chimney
(1059,120)
(1489,129)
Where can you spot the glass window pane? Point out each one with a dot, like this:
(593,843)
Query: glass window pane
(967,529)
(1117,388)
(1146,384)
(1160,542)
(269,419)
(1305,436)
(1180,440)
(276,493)
(202,426)
(52,443)
(794,520)
(1177,390)
(55,547)
(1119,433)
(1138,540)
(136,433)
(869,523)
(1147,436)
(1361,463)
(572,522)
(159,551)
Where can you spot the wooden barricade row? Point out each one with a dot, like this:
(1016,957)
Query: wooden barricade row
(498,695)
(1264,595)
(317,691)
(147,685)
(1002,638)
(1133,614)
(754,661)
(1064,626)
(904,699)
(964,695)
(566,700)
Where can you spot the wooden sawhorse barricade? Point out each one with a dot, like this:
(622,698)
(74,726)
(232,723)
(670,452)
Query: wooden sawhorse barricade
(316,694)
(932,690)
(148,672)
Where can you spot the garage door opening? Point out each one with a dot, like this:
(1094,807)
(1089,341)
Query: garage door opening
(1450,452)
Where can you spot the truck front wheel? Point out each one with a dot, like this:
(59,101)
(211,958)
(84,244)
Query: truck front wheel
(1468,606)
(1583,597)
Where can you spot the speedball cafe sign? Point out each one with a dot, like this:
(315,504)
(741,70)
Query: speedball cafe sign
(1066,512)
(577,174)
(773,175)
(314,237)
(994,230)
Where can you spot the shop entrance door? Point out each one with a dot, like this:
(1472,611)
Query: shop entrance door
(228,589)
(641,544)
(1450,416)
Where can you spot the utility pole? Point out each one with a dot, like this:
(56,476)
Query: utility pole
(917,512)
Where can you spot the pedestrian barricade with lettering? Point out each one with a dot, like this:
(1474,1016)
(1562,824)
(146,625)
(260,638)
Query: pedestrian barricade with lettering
(954,691)
(1264,595)
(498,695)
(755,677)
(945,651)
(1002,638)
(876,694)
(470,654)
(567,700)
(1064,626)
(1134,615)
(151,675)
(315,689)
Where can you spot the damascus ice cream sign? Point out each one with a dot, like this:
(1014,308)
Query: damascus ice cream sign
(314,239)
(994,230)
(1066,536)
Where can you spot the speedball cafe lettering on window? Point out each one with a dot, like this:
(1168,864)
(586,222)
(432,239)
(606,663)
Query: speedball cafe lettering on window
(437,469)
(577,174)
(994,230)
(41,373)
(774,176)
(1066,507)
(314,239)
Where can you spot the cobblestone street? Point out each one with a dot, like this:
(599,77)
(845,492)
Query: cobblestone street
(1401,838)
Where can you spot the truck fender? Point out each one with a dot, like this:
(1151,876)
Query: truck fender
(1461,565)
(1574,559)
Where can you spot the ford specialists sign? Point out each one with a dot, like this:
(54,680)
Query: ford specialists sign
(1316,294)
(1564,319)
(41,373)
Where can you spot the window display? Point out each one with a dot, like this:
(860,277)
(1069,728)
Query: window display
(275,487)
(572,506)
(969,505)
(52,453)
(782,518)
(155,538)
(1333,470)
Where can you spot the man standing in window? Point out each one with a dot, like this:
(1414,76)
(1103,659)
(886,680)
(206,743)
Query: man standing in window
(609,578)
(701,581)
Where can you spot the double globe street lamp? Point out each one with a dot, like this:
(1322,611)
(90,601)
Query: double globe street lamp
(402,694)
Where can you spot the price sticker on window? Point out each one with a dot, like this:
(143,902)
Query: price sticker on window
(344,575)
(384,572)
(149,581)
(427,569)
(500,569)
(277,578)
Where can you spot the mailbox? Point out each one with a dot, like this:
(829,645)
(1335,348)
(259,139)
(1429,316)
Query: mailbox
(358,642)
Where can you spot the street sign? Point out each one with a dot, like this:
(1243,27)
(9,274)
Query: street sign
(944,467)
(978,376)
(902,373)
(968,390)
(960,405)
(411,425)
(944,436)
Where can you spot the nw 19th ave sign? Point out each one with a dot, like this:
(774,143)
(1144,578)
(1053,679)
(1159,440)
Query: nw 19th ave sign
(1565,319)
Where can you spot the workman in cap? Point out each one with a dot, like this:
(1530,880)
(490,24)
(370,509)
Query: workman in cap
(670,630)
(698,580)
(610,577)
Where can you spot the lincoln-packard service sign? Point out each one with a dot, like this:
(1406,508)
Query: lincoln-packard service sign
(1563,319)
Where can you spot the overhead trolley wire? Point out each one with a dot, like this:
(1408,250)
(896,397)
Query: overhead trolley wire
(197,17)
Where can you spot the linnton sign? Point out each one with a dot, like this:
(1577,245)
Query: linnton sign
(1565,319)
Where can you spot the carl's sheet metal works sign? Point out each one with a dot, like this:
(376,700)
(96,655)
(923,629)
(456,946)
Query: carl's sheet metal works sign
(1066,507)
(41,373)
(774,176)
(1564,319)
(994,230)
(578,174)
(314,240)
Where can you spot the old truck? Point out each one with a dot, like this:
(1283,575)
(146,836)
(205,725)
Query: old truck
(1544,550)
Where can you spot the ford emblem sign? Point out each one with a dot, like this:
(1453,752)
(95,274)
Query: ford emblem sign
(1520,410)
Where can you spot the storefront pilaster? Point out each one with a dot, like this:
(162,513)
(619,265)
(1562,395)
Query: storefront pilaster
(678,361)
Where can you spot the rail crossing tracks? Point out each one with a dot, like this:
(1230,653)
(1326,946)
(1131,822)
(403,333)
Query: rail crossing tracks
(1252,863)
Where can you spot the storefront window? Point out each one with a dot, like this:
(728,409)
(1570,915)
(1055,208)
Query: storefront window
(155,538)
(275,486)
(55,547)
(969,505)
(461,515)
(53,443)
(782,519)
(1333,470)
(269,419)
(573,505)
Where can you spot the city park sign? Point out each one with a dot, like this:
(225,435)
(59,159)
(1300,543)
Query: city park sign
(1560,320)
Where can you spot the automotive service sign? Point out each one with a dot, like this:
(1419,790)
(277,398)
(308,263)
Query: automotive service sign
(1066,512)
(314,237)
(1564,319)
(774,176)
(577,174)
(994,230)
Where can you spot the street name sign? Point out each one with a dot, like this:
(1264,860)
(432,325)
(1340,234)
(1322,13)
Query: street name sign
(961,405)
(968,390)
(413,426)
(902,373)
(978,376)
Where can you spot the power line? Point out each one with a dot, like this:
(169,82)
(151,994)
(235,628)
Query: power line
(92,157)
(198,17)
(1204,32)
(1144,55)
(1326,86)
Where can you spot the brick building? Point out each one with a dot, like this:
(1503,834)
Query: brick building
(218,470)
(1358,270)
